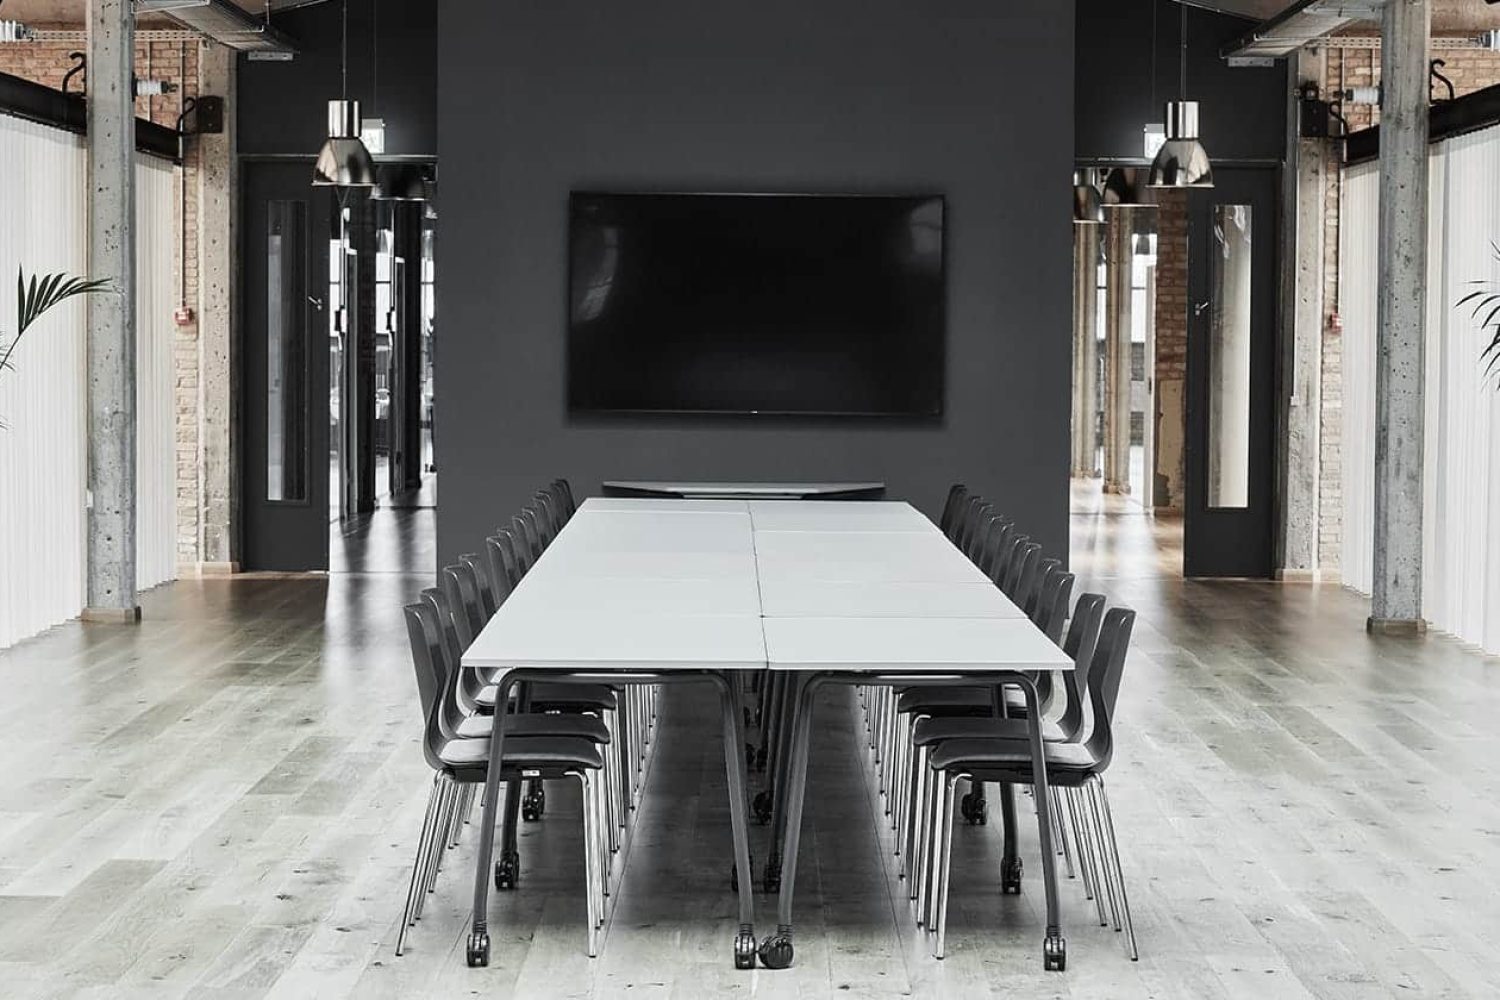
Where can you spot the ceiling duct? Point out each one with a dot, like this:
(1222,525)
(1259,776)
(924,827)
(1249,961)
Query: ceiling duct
(1300,24)
(223,21)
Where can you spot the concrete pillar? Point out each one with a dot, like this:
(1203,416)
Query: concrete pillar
(1117,292)
(1396,604)
(1300,400)
(218,309)
(1085,351)
(111,316)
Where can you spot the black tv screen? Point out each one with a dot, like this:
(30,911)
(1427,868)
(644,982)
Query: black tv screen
(727,303)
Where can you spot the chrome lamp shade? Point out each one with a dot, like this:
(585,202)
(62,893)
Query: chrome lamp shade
(1182,161)
(401,182)
(1088,203)
(344,161)
(1125,187)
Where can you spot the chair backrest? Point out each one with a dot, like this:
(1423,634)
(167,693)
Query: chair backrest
(564,492)
(1051,612)
(1031,585)
(525,544)
(1009,552)
(981,533)
(426,652)
(531,531)
(957,493)
(1022,560)
(467,684)
(1083,636)
(513,541)
(480,566)
(502,574)
(462,591)
(1001,531)
(552,515)
(972,513)
(1107,667)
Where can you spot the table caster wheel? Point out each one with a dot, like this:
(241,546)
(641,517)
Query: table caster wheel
(479,950)
(776,951)
(1055,954)
(1010,877)
(744,949)
(534,804)
(507,871)
(762,805)
(974,811)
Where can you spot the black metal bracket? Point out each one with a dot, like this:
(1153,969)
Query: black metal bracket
(1316,118)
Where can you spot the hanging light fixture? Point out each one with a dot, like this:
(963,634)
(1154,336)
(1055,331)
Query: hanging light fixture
(1088,203)
(344,162)
(1182,161)
(1126,187)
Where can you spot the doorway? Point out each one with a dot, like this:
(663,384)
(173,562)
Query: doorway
(1231,371)
(339,317)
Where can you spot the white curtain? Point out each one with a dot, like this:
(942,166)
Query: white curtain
(156,202)
(43,448)
(1461,539)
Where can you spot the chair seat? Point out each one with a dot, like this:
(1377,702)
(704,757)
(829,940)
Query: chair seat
(559,752)
(559,697)
(586,727)
(1070,762)
(936,730)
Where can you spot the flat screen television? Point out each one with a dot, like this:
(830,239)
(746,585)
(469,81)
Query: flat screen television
(730,303)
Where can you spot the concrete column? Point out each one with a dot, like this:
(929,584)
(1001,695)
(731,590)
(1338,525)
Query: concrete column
(1085,351)
(1396,605)
(218,309)
(1117,292)
(111,316)
(1300,400)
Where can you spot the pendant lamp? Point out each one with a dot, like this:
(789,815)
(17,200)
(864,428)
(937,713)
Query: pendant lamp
(344,162)
(1182,161)
(1088,203)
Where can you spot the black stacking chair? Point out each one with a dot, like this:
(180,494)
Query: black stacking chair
(459,764)
(958,495)
(1079,766)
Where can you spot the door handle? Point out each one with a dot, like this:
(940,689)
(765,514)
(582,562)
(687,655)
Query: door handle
(316,303)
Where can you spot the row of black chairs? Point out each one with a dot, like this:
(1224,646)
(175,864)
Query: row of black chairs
(928,739)
(597,735)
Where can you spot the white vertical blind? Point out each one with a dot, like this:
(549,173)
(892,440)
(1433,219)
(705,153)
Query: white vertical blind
(1461,578)
(155,331)
(43,449)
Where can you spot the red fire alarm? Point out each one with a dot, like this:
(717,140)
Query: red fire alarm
(183,316)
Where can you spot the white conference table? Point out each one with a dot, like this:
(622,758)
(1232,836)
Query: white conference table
(851,592)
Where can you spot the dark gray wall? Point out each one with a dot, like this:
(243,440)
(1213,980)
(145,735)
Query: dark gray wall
(282,107)
(971,99)
(1243,109)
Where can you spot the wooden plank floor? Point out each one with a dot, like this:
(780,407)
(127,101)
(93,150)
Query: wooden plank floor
(222,803)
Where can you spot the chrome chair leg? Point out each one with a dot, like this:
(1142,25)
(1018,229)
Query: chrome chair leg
(1106,875)
(945,849)
(408,915)
(1114,858)
(1059,831)
(1070,794)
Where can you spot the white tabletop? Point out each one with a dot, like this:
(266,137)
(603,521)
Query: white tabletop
(593,640)
(917,645)
(726,595)
(634,505)
(829,515)
(784,597)
(831,586)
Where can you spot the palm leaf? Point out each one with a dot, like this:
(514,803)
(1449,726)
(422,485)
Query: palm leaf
(37,298)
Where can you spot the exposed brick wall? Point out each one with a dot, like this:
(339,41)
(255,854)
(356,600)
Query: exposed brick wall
(1470,70)
(46,62)
(1171,345)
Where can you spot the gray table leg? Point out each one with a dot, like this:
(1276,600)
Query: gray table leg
(478,949)
(739,820)
(777,952)
(1054,948)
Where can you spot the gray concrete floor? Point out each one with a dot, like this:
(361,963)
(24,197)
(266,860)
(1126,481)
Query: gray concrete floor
(223,803)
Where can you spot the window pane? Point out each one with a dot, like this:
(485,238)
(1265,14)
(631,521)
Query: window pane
(286,352)
(1229,360)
